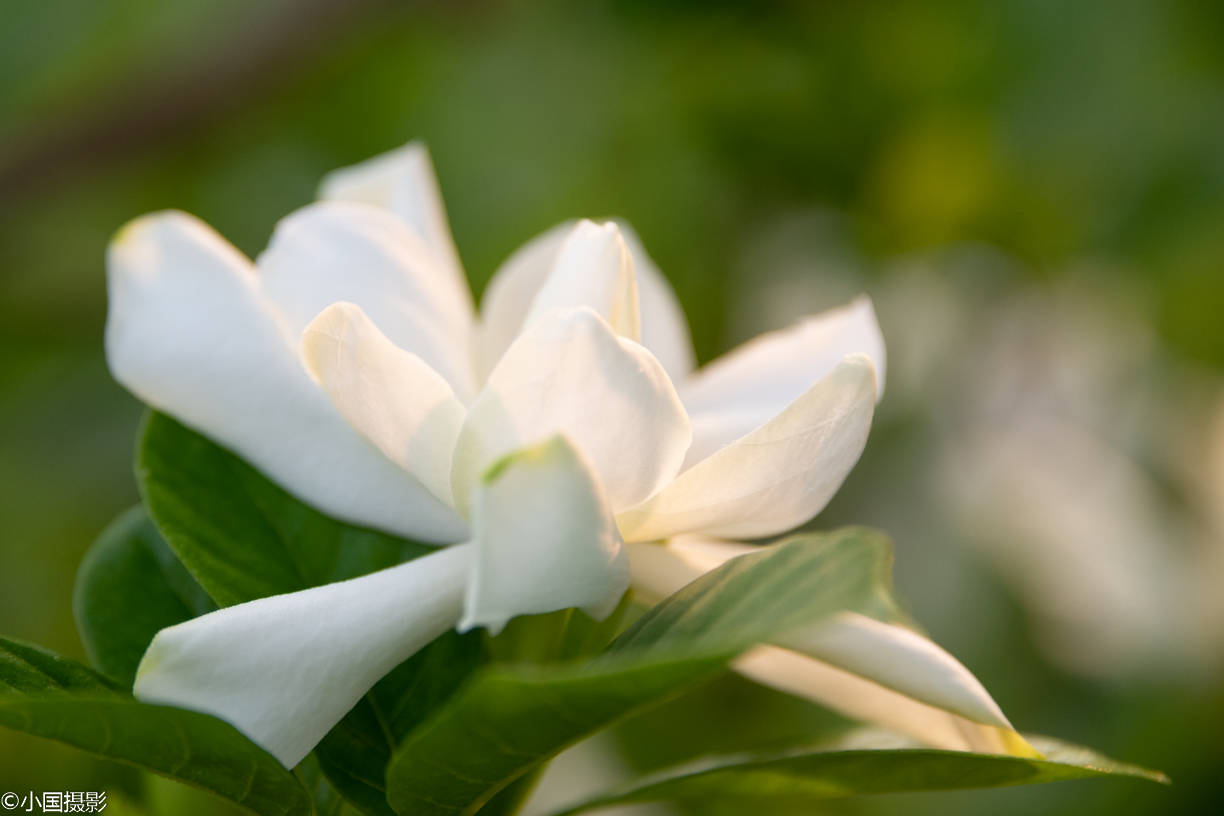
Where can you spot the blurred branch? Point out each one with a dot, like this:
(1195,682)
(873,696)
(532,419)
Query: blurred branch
(157,106)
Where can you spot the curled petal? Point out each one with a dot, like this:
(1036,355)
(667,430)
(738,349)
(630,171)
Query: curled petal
(862,699)
(750,385)
(896,657)
(776,477)
(874,671)
(390,395)
(189,334)
(403,181)
(334,251)
(283,670)
(514,287)
(544,538)
(570,374)
(593,268)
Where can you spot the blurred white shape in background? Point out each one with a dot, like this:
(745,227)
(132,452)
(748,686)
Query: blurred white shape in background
(1048,431)
(1072,526)
(1035,469)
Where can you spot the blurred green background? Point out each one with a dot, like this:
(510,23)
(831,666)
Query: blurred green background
(1032,191)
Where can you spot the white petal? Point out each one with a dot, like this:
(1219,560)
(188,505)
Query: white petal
(545,539)
(333,251)
(188,333)
(593,268)
(283,670)
(403,181)
(659,570)
(390,395)
(510,293)
(748,386)
(901,659)
(775,478)
(866,669)
(570,374)
(859,698)
(665,330)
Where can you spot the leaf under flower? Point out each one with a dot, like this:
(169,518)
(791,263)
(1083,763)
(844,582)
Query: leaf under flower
(796,783)
(509,719)
(50,696)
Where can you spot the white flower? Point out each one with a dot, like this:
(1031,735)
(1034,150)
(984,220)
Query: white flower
(348,365)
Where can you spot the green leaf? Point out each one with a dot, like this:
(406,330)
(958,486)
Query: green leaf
(510,799)
(50,696)
(32,670)
(355,753)
(557,636)
(128,587)
(797,783)
(760,596)
(184,745)
(510,719)
(327,800)
(241,536)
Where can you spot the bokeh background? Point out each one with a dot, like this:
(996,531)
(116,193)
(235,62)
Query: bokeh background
(1032,191)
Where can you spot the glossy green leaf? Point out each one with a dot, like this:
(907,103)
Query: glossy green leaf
(50,696)
(241,536)
(797,783)
(128,587)
(510,719)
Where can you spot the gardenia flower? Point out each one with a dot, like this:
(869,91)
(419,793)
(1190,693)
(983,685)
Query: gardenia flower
(561,444)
